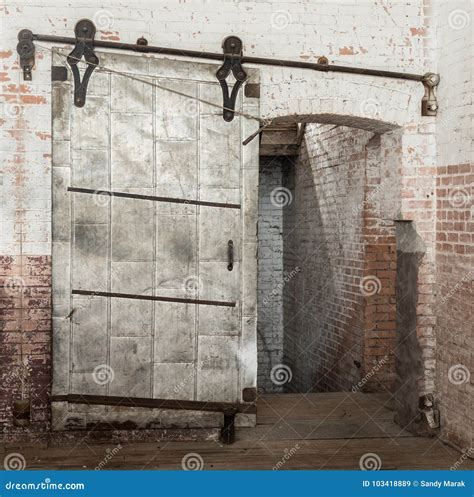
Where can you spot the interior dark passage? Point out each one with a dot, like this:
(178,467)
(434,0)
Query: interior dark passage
(327,301)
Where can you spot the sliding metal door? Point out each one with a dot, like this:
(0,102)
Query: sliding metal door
(154,244)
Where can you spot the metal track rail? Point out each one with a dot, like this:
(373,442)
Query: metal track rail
(232,60)
(246,59)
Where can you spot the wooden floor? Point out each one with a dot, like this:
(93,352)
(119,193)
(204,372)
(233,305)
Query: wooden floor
(294,431)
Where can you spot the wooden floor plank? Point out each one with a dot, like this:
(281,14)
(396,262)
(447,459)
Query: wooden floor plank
(319,431)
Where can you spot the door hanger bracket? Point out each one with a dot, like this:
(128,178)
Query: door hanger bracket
(232,46)
(85,32)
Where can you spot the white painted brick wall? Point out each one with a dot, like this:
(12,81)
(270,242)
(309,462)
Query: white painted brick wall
(455,220)
(455,51)
(270,274)
(410,35)
(372,34)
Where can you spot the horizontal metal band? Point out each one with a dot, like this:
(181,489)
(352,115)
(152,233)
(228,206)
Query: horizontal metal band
(153,198)
(187,405)
(153,297)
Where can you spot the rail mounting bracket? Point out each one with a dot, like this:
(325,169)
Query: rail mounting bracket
(429,104)
(26,51)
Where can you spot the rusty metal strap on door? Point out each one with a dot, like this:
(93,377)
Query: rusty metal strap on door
(228,409)
(232,58)
(153,198)
(187,405)
(134,296)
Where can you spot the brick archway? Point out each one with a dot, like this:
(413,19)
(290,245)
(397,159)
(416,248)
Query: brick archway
(392,111)
(372,103)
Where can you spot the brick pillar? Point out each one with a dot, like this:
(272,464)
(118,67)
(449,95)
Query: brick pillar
(25,336)
(378,286)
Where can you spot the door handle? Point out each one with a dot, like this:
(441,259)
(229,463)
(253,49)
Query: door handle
(230,255)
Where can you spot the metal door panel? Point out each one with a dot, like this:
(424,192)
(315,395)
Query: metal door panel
(90,169)
(90,257)
(218,374)
(176,116)
(177,169)
(88,344)
(131,150)
(174,380)
(131,366)
(176,254)
(175,329)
